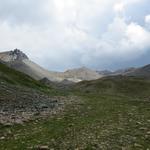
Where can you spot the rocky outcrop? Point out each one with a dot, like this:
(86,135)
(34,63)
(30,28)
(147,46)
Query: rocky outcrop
(21,104)
(15,55)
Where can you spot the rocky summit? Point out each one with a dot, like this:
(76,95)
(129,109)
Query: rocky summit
(14,55)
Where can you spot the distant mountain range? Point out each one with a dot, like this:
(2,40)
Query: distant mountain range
(137,72)
(16,59)
(117,72)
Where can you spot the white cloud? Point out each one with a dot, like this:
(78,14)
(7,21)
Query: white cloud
(147,19)
(122,4)
(122,41)
(138,36)
(71,33)
(119,7)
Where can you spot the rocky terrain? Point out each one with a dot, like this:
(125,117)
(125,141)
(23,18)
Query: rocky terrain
(11,56)
(82,73)
(108,113)
(23,98)
(20,104)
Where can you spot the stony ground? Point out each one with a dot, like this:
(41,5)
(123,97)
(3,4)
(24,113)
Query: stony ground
(111,114)
(93,123)
(21,104)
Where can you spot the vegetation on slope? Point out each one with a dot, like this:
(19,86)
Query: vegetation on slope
(116,85)
(98,122)
(111,113)
(18,79)
(12,76)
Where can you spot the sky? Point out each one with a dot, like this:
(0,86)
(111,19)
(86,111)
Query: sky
(64,34)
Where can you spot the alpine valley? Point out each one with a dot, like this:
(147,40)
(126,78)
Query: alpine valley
(79,109)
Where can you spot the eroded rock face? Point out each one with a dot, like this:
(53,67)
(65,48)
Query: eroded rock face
(18,55)
(15,55)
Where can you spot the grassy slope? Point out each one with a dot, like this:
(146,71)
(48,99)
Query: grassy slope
(113,114)
(120,85)
(17,78)
(21,80)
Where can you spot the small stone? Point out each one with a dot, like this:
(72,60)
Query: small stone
(139,123)
(143,128)
(137,145)
(30,147)
(123,148)
(148,132)
(44,147)
(8,124)
(53,140)
(2,138)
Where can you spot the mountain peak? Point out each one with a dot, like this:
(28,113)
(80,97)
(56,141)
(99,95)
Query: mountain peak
(84,68)
(13,55)
(79,69)
(18,54)
(82,73)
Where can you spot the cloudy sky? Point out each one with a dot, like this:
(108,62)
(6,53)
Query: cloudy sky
(62,34)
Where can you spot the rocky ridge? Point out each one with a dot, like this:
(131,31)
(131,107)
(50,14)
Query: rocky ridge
(13,55)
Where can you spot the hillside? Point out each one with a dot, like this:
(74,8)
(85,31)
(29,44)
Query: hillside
(140,72)
(11,76)
(116,85)
(82,73)
(108,113)
(117,72)
(21,97)
(17,60)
